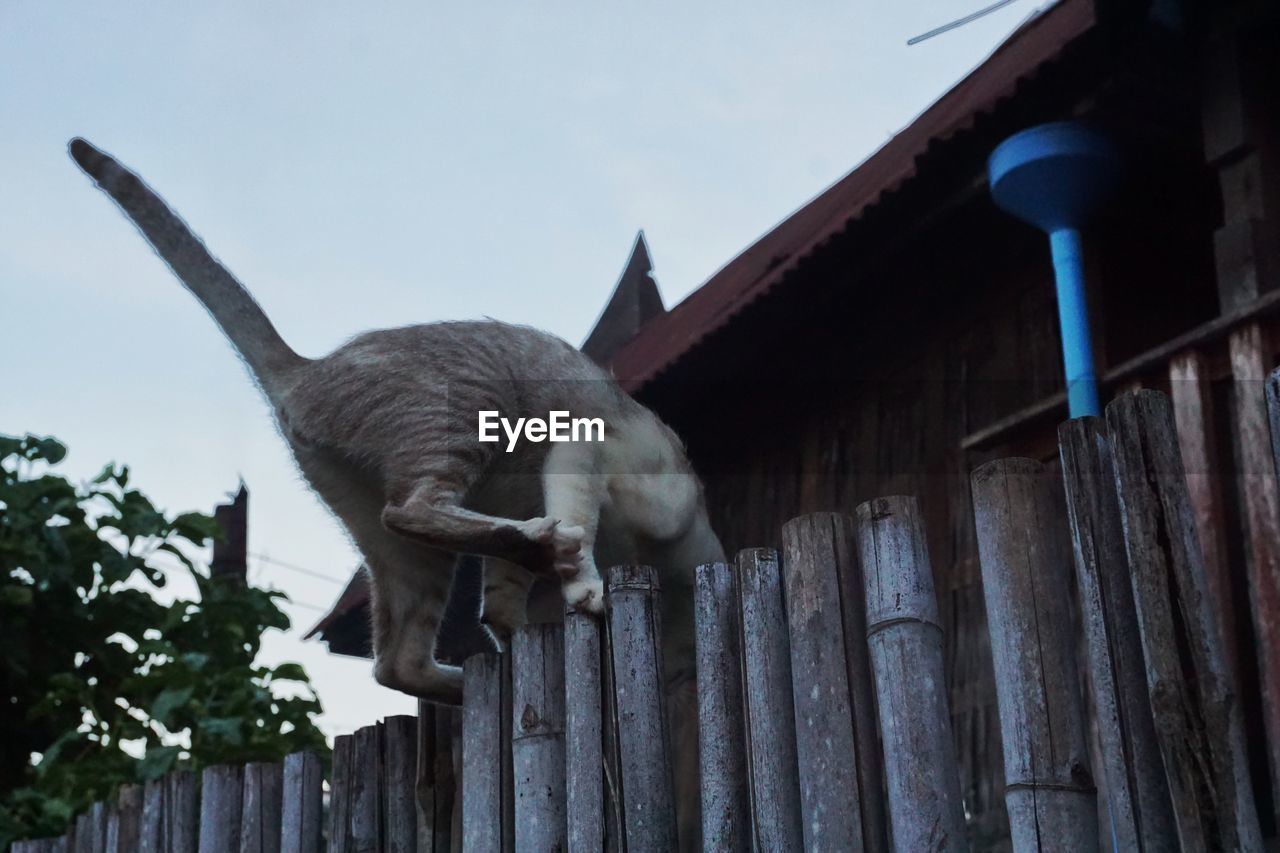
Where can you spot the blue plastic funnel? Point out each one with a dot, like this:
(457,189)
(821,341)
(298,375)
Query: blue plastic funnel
(1054,176)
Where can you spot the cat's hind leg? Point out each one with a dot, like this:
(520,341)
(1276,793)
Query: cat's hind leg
(410,588)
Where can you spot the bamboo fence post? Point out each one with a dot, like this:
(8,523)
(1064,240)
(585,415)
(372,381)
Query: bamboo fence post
(261,808)
(128,820)
(584,750)
(537,739)
(400,768)
(221,801)
(340,794)
(722,739)
(1197,719)
(1137,794)
(771,731)
(302,803)
(905,638)
(482,760)
(648,801)
(366,790)
(1049,792)
(841,800)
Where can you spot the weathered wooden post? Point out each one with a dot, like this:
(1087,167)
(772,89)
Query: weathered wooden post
(905,638)
(170,813)
(841,800)
(366,790)
(124,826)
(436,788)
(771,729)
(537,738)
(1049,792)
(1138,797)
(261,807)
(221,801)
(722,739)
(648,801)
(302,797)
(340,794)
(584,736)
(399,773)
(483,824)
(1197,719)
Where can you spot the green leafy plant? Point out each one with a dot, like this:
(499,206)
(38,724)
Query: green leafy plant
(102,683)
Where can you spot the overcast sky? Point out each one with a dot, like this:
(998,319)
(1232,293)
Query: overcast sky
(362,165)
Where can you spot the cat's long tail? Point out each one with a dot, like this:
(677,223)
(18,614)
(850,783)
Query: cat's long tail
(241,318)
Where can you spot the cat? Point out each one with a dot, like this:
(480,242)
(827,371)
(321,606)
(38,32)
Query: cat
(384,430)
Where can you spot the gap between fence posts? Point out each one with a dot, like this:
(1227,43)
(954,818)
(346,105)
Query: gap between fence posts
(905,640)
(770,719)
(537,739)
(648,801)
(837,747)
(1049,792)
(722,744)
(1197,718)
(482,760)
(1137,794)
(584,735)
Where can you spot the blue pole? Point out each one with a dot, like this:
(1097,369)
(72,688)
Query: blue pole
(1073,315)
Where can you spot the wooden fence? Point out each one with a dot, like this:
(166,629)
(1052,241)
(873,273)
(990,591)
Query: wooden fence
(823,715)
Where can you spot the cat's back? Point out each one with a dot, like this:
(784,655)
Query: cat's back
(390,375)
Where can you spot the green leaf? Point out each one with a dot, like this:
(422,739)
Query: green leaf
(157,762)
(169,701)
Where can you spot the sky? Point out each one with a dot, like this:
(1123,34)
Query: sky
(365,165)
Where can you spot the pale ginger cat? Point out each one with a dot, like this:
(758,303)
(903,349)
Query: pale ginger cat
(385,430)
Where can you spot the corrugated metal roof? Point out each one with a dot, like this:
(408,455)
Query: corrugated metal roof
(667,338)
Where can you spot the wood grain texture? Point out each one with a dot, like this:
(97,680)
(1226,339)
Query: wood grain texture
(1137,795)
(722,744)
(128,820)
(905,639)
(366,790)
(1260,494)
(482,777)
(644,742)
(1049,791)
(221,804)
(1197,717)
(303,807)
(584,735)
(341,787)
(399,743)
(837,747)
(537,739)
(771,730)
(1191,392)
(260,813)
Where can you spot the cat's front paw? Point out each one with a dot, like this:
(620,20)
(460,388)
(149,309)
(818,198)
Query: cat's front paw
(585,594)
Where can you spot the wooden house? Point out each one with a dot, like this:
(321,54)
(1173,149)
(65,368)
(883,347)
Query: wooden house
(899,330)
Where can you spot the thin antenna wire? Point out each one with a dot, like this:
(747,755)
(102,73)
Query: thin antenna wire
(959,22)
(299,569)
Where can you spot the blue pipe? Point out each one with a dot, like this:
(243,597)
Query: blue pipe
(1073,316)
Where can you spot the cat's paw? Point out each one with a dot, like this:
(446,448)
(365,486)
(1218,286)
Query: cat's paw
(585,594)
(569,555)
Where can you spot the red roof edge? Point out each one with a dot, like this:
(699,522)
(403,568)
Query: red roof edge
(667,338)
